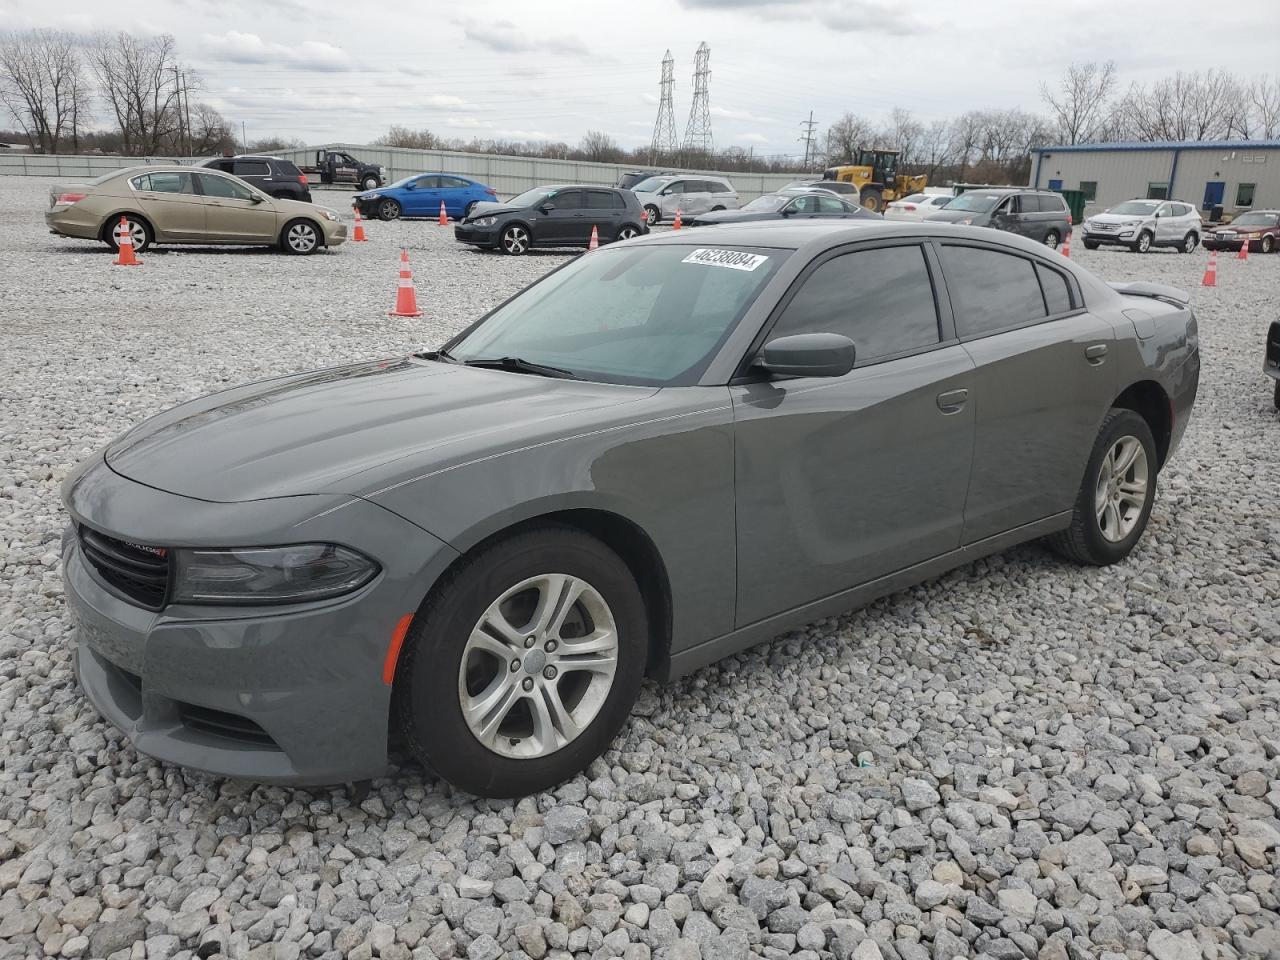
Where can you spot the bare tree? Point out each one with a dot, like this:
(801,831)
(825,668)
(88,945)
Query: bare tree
(42,85)
(847,136)
(903,134)
(1186,106)
(1082,103)
(210,132)
(137,79)
(1264,98)
(398,136)
(599,147)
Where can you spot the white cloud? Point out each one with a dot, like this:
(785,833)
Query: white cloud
(844,16)
(503,36)
(316,55)
(752,138)
(739,115)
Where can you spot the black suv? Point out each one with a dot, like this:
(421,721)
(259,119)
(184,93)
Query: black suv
(561,215)
(1041,215)
(271,175)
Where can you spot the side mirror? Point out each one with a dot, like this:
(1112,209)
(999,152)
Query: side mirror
(807,355)
(547,207)
(256,198)
(411,185)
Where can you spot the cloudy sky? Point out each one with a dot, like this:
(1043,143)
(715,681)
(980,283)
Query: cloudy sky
(325,71)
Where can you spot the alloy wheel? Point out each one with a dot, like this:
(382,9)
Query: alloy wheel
(1144,242)
(626,233)
(538,666)
(1051,240)
(1122,488)
(389,210)
(1189,243)
(137,233)
(301,238)
(1268,244)
(515,240)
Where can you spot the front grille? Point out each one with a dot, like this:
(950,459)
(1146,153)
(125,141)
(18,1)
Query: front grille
(140,573)
(228,726)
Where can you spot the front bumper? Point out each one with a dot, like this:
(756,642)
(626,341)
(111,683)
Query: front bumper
(335,234)
(289,694)
(1215,242)
(481,236)
(1126,237)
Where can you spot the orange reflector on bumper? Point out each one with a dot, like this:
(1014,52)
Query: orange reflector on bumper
(393,651)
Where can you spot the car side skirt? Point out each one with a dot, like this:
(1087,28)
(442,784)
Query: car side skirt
(686,661)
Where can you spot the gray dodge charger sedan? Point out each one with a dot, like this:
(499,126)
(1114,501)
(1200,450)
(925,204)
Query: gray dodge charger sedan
(661,453)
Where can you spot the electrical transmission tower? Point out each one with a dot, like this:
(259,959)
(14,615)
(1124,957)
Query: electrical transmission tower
(807,138)
(664,128)
(697,133)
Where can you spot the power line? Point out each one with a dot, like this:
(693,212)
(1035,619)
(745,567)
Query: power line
(664,127)
(697,133)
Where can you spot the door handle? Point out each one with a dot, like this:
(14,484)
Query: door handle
(1095,353)
(952,401)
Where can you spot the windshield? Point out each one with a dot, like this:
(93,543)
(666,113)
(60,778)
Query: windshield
(976,202)
(649,184)
(646,315)
(769,202)
(1255,220)
(531,197)
(1136,208)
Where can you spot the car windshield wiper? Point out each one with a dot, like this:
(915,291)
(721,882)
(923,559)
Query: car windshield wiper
(520,365)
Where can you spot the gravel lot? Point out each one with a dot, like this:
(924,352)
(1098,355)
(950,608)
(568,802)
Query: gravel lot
(1022,760)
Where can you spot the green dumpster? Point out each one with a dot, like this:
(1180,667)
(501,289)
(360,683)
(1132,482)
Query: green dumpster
(1075,203)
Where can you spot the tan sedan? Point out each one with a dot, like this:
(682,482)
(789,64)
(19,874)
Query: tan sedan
(177,204)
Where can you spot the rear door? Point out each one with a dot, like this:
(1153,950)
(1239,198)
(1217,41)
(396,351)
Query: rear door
(170,202)
(456,194)
(232,215)
(1045,378)
(600,211)
(844,480)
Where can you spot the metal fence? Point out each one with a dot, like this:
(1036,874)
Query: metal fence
(507,175)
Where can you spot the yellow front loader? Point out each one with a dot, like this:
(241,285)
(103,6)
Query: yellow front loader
(876,175)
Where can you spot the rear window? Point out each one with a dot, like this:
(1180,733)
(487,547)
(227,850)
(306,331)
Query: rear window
(1057,291)
(990,290)
(251,168)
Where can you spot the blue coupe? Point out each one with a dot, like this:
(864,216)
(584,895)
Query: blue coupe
(421,194)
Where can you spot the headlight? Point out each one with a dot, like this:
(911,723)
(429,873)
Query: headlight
(327,213)
(966,221)
(371,196)
(260,575)
(485,221)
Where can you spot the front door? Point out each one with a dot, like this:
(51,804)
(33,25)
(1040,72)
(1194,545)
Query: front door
(1167,231)
(841,481)
(1044,381)
(170,202)
(424,199)
(563,225)
(232,214)
(1213,193)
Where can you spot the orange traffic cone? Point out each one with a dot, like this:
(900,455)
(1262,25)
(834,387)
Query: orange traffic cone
(1244,250)
(676,224)
(1211,272)
(595,239)
(124,246)
(444,217)
(1066,241)
(406,296)
(358,236)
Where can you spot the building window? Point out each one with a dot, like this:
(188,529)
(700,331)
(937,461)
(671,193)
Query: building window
(1158,191)
(1090,190)
(1244,194)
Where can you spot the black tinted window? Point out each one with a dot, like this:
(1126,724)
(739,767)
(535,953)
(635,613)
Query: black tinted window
(617,201)
(568,200)
(598,200)
(1057,292)
(882,300)
(252,168)
(1052,203)
(223,187)
(830,205)
(990,290)
(164,183)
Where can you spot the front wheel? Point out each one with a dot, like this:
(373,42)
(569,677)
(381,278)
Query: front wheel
(388,210)
(1144,242)
(523,664)
(1091,245)
(515,240)
(1189,242)
(301,237)
(1116,495)
(1268,244)
(1052,239)
(370,183)
(872,199)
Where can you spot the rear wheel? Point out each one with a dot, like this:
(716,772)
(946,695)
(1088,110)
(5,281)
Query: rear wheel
(1143,244)
(872,198)
(1052,239)
(523,664)
(515,240)
(300,237)
(388,210)
(1116,495)
(139,232)
(626,232)
(1190,242)
(653,214)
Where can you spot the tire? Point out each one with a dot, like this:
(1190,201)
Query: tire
(627,231)
(1091,245)
(872,198)
(1143,244)
(389,209)
(1268,244)
(301,238)
(1277,396)
(1052,239)
(654,214)
(370,182)
(1086,541)
(443,666)
(143,235)
(1189,243)
(515,240)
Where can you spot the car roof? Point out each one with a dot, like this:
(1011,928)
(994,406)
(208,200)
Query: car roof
(580,186)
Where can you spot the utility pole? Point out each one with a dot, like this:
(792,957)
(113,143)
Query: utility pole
(697,133)
(186,101)
(244,138)
(807,138)
(177,90)
(664,127)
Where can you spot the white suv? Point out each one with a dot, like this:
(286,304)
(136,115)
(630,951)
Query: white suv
(1143,224)
(662,196)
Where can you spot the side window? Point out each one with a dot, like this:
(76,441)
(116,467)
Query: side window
(1027,203)
(171,183)
(141,183)
(990,290)
(568,200)
(426,183)
(598,200)
(251,168)
(830,205)
(1165,210)
(881,299)
(1057,291)
(719,186)
(1052,203)
(453,183)
(222,187)
(1007,205)
(617,201)
(808,204)
(676,187)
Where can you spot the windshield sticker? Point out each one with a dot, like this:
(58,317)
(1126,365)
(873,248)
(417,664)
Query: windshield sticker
(733,259)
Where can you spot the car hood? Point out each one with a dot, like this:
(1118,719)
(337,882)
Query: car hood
(1117,217)
(1244,228)
(331,430)
(951,216)
(485,208)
